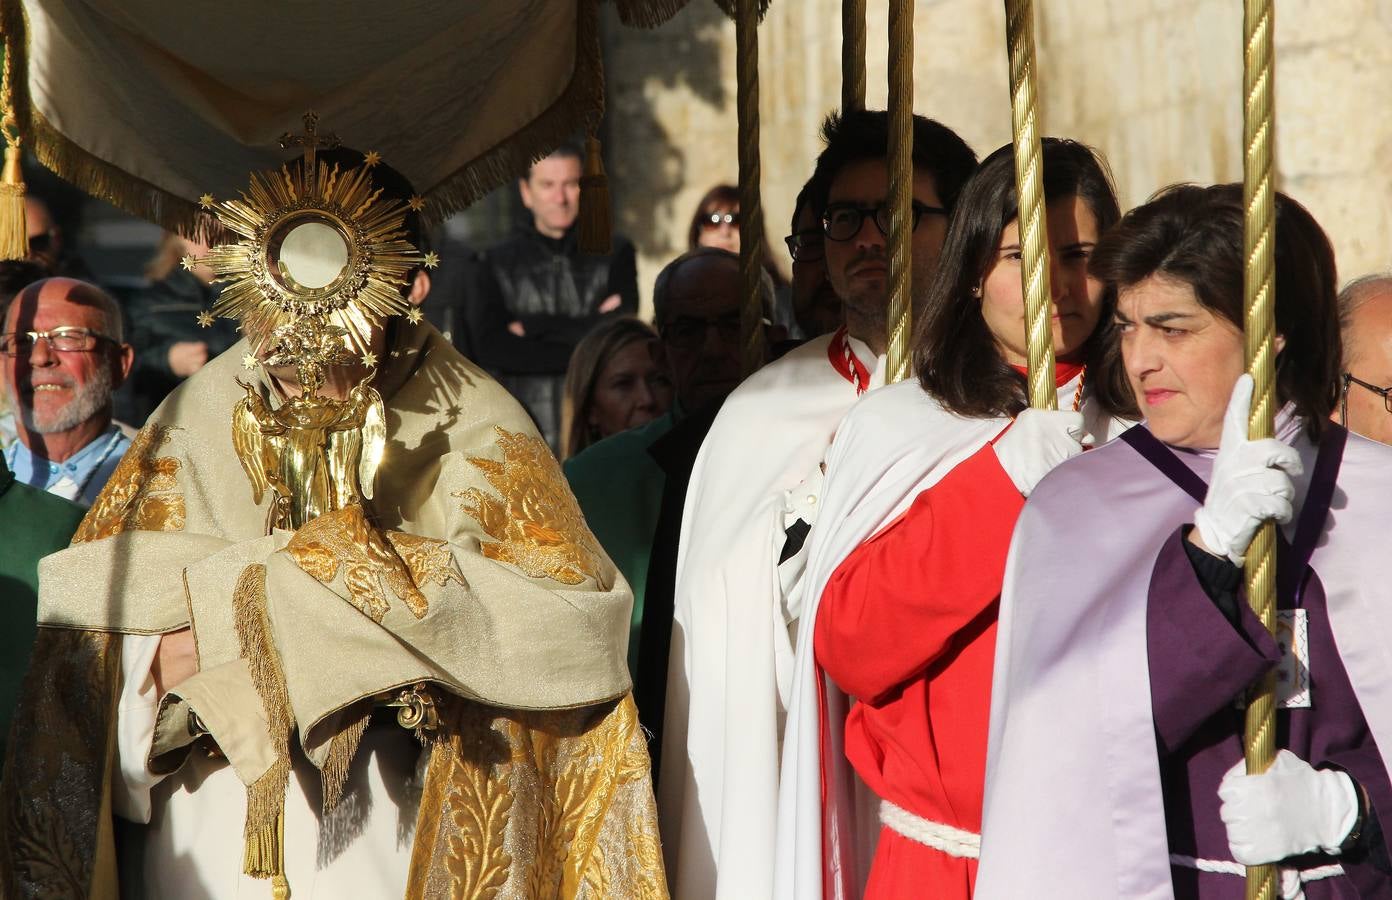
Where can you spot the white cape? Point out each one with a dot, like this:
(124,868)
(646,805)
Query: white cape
(891,447)
(1073,803)
(731,646)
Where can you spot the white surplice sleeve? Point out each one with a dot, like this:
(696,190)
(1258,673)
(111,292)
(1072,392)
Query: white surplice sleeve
(136,711)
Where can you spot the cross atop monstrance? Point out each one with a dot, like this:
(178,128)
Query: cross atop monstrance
(311,140)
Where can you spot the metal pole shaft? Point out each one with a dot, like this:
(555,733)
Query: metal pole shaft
(751,208)
(852,54)
(1029,187)
(901,174)
(1259,300)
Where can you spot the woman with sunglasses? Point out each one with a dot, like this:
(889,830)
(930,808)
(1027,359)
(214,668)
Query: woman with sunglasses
(1126,647)
(716,223)
(923,485)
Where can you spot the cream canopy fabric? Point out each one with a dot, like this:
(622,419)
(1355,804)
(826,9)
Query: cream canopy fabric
(152,104)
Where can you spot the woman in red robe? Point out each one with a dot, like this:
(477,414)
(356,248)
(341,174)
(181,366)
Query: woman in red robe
(906,622)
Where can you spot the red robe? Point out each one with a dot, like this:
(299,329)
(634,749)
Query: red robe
(907,626)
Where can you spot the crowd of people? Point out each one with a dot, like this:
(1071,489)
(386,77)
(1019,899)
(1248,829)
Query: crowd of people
(886,640)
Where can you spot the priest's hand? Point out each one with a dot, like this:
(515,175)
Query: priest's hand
(1290,809)
(1251,484)
(1035,442)
(176,661)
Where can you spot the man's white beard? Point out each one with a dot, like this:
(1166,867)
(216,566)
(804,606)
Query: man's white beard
(87,401)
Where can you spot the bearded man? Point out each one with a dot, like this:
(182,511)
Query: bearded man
(63,357)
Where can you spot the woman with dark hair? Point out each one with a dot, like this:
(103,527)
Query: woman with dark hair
(615,381)
(905,565)
(1120,681)
(716,223)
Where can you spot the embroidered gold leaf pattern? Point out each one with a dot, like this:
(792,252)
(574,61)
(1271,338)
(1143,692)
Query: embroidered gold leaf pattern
(479,805)
(429,561)
(535,523)
(52,817)
(564,796)
(343,539)
(142,493)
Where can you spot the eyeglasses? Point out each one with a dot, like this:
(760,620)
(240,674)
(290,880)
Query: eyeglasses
(716,219)
(689,332)
(1384,392)
(842,221)
(63,339)
(806,246)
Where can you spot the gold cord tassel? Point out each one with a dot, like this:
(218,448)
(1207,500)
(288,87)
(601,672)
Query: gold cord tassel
(14,232)
(595,233)
(265,817)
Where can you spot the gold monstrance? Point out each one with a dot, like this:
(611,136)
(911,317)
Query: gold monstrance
(322,259)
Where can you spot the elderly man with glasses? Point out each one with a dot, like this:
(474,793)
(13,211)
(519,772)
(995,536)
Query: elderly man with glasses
(63,357)
(752,499)
(1365,317)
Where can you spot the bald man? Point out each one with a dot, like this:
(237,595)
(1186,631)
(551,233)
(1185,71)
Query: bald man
(1365,317)
(62,355)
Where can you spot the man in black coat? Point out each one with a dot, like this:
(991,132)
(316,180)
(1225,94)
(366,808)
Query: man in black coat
(538,295)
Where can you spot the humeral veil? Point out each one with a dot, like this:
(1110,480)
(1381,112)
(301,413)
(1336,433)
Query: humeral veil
(470,586)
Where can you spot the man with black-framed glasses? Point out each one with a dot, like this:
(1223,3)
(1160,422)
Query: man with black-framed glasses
(1365,318)
(752,500)
(63,357)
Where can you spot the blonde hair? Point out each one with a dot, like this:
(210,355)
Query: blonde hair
(588,360)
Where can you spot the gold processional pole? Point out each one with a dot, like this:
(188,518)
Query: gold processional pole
(852,55)
(1259,300)
(751,209)
(900,188)
(1029,187)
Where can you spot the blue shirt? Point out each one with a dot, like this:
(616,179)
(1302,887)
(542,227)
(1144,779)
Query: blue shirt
(88,468)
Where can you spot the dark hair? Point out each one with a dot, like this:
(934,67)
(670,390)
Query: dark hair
(804,197)
(724,196)
(956,356)
(864,134)
(1193,235)
(391,182)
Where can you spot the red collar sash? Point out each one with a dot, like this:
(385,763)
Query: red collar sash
(845,362)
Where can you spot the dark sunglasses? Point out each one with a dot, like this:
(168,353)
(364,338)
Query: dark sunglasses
(716,219)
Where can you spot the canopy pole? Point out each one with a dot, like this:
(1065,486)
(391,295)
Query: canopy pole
(751,208)
(1029,188)
(852,55)
(901,172)
(1259,302)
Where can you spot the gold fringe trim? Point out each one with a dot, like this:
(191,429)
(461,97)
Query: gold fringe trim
(342,748)
(594,231)
(647,13)
(265,818)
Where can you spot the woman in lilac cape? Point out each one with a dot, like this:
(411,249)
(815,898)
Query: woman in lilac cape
(1113,767)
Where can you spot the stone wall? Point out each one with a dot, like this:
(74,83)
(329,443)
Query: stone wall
(1154,84)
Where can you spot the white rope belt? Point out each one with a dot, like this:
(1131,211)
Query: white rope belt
(1291,879)
(944,838)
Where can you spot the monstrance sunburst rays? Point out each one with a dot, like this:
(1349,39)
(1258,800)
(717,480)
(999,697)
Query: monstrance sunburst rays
(371,225)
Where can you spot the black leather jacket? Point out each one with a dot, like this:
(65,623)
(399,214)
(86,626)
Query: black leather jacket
(555,292)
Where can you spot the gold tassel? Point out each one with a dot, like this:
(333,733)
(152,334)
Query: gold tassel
(595,230)
(265,817)
(14,232)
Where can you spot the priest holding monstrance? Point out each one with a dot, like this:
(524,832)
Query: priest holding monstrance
(336,627)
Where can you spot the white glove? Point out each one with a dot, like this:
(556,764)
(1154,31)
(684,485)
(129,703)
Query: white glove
(1289,809)
(1251,483)
(1036,441)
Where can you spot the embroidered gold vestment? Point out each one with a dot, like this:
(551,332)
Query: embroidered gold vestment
(472,573)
